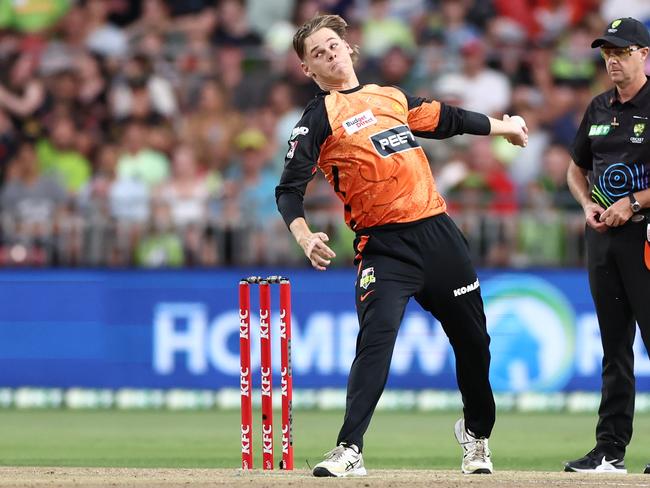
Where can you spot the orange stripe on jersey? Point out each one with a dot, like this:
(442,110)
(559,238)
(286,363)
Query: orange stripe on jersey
(425,118)
(373,160)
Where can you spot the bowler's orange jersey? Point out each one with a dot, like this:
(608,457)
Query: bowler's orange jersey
(363,140)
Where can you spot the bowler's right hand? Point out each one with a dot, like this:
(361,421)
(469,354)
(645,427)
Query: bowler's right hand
(319,253)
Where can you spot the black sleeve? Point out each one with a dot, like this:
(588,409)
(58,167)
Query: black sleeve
(581,150)
(455,121)
(305,143)
(451,121)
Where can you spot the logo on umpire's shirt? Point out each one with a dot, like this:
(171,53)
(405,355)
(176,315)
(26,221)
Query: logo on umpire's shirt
(395,140)
(599,129)
(638,130)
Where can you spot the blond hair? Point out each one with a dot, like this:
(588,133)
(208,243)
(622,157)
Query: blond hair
(333,22)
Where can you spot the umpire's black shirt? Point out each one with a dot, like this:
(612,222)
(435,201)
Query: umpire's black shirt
(613,142)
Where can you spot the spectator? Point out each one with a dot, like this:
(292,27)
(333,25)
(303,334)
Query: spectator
(482,89)
(31,15)
(233,27)
(396,68)
(142,94)
(23,94)
(32,204)
(8,142)
(486,184)
(252,183)
(94,198)
(161,247)
(552,178)
(29,195)
(211,124)
(155,16)
(457,31)
(59,156)
(382,32)
(139,162)
(254,178)
(287,113)
(525,167)
(186,193)
(103,37)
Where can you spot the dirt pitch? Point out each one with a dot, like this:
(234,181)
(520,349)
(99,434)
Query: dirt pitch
(199,478)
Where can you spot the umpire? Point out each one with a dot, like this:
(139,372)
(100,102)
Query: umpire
(610,178)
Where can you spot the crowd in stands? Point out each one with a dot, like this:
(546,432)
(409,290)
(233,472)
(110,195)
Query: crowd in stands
(152,133)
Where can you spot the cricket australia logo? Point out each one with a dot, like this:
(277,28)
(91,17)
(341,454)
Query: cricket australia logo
(638,131)
(614,26)
(367,278)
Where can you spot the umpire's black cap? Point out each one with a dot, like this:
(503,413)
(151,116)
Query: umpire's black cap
(623,33)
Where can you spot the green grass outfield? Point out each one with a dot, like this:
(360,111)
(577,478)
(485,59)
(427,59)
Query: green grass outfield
(204,439)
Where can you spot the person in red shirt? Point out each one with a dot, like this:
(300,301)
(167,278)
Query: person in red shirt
(363,138)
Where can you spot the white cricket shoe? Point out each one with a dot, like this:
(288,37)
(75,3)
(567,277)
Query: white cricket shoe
(341,461)
(476,453)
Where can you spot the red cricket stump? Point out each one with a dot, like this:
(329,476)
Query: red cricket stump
(266,371)
(267,383)
(245,376)
(286,375)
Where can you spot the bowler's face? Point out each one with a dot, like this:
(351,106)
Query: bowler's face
(327,58)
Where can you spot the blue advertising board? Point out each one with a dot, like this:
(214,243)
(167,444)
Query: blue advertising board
(180,329)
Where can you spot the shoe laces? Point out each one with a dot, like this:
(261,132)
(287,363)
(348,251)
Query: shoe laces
(335,454)
(478,449)
(338,452)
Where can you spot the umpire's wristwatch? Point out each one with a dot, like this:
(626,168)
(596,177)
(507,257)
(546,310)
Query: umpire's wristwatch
(634,205)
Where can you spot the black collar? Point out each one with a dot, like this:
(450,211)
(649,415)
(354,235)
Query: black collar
(638,99)
(345,92)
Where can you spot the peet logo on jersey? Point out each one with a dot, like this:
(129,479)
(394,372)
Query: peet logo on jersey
(359,121)
(395,140)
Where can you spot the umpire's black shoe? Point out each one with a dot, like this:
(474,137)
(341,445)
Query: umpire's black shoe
(597,463)
(647,469)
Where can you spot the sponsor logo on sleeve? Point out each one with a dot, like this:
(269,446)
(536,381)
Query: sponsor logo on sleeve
(359,121)
(463,290)
(292,149)
(395,140)
(299,131)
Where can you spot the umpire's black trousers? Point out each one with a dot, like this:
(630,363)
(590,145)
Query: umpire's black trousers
(620,287)
(427,260)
